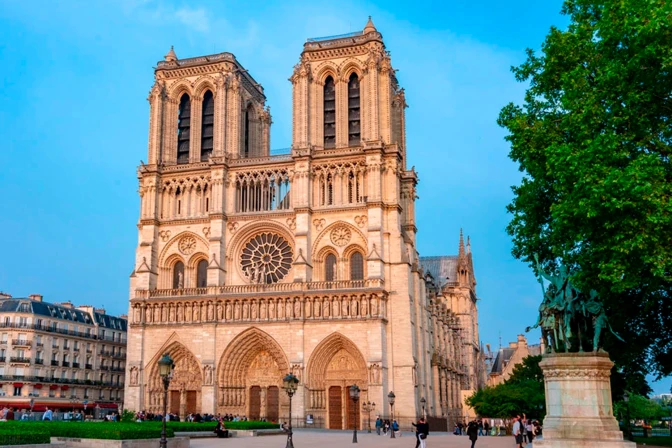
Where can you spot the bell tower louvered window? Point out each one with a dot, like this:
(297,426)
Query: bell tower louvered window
(354,128)
(183,127)
(329,113)
(207,125)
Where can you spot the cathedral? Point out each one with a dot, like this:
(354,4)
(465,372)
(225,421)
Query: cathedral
(252,264)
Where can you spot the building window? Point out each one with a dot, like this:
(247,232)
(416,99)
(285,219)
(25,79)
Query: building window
(183,125)
(202,274)
(356,266)
(4,338)
(329,113)
(178,275)
(207,125)
(330,268)
(354,129)
(17,391)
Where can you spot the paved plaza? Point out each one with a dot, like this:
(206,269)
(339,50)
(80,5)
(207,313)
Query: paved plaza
(340,439)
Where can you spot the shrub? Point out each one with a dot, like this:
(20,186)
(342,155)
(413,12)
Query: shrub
(210,426)
(127,416)
(17,436)
(91,430)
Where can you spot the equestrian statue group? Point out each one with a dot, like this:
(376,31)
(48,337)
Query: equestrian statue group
(567,316)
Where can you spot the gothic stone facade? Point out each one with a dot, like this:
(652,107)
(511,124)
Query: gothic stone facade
(251,265)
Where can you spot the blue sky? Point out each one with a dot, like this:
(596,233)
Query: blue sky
(74,114)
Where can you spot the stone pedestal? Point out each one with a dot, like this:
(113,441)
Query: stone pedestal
(578,403)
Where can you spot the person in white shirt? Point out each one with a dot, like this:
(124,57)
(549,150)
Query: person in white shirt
(518,431)
(48,415)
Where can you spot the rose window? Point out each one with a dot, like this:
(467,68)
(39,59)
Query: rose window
(266,258)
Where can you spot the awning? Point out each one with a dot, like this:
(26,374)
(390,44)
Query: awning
(18,384)
(53,387)
(65,387)
(37,386)
(107,405)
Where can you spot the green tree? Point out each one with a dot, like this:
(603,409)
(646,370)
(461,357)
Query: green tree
(641,408)
(522,393)
(593,139)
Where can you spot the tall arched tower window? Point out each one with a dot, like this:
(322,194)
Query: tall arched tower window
(247,145)
(202,274)
(354,129)
(330,268)
(207,125)
(183,125)
(178,275)
(356,266)
(329,113)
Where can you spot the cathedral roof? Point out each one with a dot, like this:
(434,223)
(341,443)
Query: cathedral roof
(443,268)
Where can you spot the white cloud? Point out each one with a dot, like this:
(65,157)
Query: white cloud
(197,19)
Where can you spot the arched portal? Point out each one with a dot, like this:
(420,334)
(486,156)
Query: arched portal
(184,392)
(336,364)
(250,376)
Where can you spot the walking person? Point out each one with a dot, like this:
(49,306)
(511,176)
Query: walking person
(379,424)
(518,431)
(422,429)
(531,432)
(472,432)
(486,428)
(417,433)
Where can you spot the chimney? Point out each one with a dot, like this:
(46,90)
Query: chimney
(35,297)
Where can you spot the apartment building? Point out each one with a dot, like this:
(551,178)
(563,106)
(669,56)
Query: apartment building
(60,355)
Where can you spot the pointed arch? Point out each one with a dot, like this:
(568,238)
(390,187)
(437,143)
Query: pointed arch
(187,378)
(322,356)
(242,351)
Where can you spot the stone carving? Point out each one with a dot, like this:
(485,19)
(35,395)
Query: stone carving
(340,236)
(207,375)
(291,223)
(232,226)
(187,245)
(361,220)
(206,231)
(266,258)
(374,374)
(165,235)
(134,376)
(319,223)
(577,373)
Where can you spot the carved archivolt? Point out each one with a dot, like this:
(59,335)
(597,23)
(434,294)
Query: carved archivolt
(336,357)
(186,374)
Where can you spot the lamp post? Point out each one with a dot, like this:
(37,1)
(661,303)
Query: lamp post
(390,399)
(354,394)
(165,370)
(626,399)
(423,402)
(290,383)
(368,407)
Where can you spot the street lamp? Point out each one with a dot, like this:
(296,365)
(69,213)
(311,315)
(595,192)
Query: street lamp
(390,399)
(368,407)
(423,402)
(626,399)
(354,394)
(165,370)
(290,383)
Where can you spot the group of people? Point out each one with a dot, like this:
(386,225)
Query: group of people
(525,430)
(482,426)
(385,426)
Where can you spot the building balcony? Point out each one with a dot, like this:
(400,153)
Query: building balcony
(19,359)
(88,366)
(22,342)
(55,347)
(118,369)
(39,344)
(2,359)
(47,329)
(54,362)
(106,368)
(39,361)
(88,350)
(66,363)
(75,349)
(75,365)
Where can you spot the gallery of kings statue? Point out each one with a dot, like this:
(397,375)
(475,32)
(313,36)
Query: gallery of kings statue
(251,264)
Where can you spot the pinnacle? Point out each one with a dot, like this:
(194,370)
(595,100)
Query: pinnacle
(171,56)
(461,253)
(369,27)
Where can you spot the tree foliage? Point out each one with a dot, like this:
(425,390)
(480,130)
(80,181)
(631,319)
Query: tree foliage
(593,139)
(522,393)
(640,408)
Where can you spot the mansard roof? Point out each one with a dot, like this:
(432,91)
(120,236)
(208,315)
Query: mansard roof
(442,268)
(55,311)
